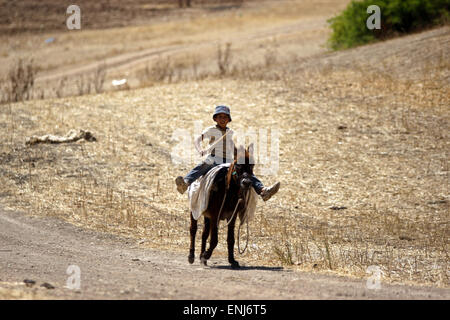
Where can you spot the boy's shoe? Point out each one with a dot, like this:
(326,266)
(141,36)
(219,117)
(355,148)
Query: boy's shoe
(181,184)
(267,193)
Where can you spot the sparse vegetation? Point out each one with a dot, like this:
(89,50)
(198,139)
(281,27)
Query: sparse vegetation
(99,77)
(60,89)
(19,84)
(83,84)
(224,59)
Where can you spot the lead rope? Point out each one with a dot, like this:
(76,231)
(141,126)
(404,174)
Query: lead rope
(221,207)
(235,208)
(247,199)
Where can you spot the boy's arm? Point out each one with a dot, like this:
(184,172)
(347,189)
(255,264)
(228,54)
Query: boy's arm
(197,141)
(197,144)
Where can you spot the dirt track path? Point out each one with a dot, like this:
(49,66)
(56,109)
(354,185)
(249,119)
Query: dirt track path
(41,249)
(130,61)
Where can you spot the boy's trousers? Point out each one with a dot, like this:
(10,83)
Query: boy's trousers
(209,163)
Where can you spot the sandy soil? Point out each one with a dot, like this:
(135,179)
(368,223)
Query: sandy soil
(111,267)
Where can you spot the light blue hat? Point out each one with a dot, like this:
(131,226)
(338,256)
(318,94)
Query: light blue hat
(222,109)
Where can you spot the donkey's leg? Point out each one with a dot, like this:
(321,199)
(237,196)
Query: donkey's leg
(230,242)
(212,242)
(205,235)
(193,231)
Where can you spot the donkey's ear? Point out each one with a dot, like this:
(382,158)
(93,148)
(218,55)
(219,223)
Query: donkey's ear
(240,155)
(250,152)
(251,149)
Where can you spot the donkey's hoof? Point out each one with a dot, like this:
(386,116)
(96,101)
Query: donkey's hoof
(235,265)
(191,259)
(204,261)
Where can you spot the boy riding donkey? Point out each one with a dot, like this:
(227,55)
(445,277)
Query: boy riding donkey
(220,153)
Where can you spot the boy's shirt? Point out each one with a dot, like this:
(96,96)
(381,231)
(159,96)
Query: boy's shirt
(224,149)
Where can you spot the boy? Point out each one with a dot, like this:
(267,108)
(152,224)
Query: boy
(222,151)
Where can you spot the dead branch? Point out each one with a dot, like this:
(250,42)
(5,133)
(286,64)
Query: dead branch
(72,136)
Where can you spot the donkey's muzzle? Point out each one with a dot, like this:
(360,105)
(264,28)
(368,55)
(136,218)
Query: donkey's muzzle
(245,183)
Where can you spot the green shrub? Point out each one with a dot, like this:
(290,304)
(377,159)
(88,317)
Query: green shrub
(397,17)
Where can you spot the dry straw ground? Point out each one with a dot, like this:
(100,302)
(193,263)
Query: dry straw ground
(364,152)
(17,291)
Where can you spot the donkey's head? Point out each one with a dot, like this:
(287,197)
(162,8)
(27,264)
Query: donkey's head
(243,168)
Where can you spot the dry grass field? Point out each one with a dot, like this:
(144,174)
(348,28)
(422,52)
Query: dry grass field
(187,38)
(364,151)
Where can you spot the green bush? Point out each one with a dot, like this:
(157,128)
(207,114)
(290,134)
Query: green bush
(397,17)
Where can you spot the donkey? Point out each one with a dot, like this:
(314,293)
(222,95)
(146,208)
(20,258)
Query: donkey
(228,195)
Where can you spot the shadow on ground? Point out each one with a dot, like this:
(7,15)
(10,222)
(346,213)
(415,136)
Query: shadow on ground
(245,268)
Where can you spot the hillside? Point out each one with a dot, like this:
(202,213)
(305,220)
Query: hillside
(373,141)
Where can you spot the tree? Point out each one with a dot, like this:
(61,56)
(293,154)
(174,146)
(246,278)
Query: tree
(184,3)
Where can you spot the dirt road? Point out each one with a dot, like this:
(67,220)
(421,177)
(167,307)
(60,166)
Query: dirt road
(42,249)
